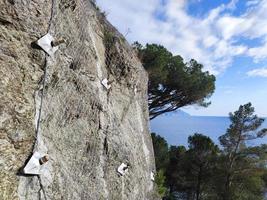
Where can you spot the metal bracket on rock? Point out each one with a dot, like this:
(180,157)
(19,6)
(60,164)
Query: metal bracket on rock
(135,90)
(49,44)
(152,176)
(123,168)
(106,84)
(36,164)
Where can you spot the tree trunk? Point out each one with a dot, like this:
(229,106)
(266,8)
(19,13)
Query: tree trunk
(199,179)
(226,195)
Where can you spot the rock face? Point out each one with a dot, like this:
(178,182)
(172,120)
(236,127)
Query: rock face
(56,105)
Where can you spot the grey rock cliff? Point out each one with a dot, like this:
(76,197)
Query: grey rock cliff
(58,106)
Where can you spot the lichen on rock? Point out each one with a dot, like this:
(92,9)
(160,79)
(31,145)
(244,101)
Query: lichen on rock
(86,130)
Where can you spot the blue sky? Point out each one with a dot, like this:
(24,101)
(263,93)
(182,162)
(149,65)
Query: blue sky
(229,37)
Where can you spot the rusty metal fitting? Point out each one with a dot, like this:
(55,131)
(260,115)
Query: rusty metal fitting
(57,42)
(43,160)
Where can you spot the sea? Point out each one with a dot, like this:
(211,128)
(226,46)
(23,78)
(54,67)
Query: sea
(177,127)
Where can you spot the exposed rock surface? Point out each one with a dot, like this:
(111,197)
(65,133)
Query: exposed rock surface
(86,130)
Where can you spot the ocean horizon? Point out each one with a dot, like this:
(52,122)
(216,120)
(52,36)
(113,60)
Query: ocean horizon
(177,127)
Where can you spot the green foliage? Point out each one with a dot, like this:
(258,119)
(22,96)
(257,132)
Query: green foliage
(244,127)
(240,160)
(201,145)
(160,182)
(174,172)
(173,83)
(202,156)
(204,172)
(160,150)
(109,39)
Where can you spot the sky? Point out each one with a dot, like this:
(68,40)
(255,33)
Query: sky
(229,37)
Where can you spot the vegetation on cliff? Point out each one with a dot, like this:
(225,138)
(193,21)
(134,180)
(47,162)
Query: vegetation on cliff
(173,83)
(206,172)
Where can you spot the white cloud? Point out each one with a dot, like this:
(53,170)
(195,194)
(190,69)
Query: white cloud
(232,4)
(260,72)
(252,2)
(258,53)
(214,40)
(230,26)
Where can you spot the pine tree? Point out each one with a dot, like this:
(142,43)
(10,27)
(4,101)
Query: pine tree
(244,127)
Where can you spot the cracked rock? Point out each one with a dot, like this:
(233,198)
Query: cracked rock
(86,131)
